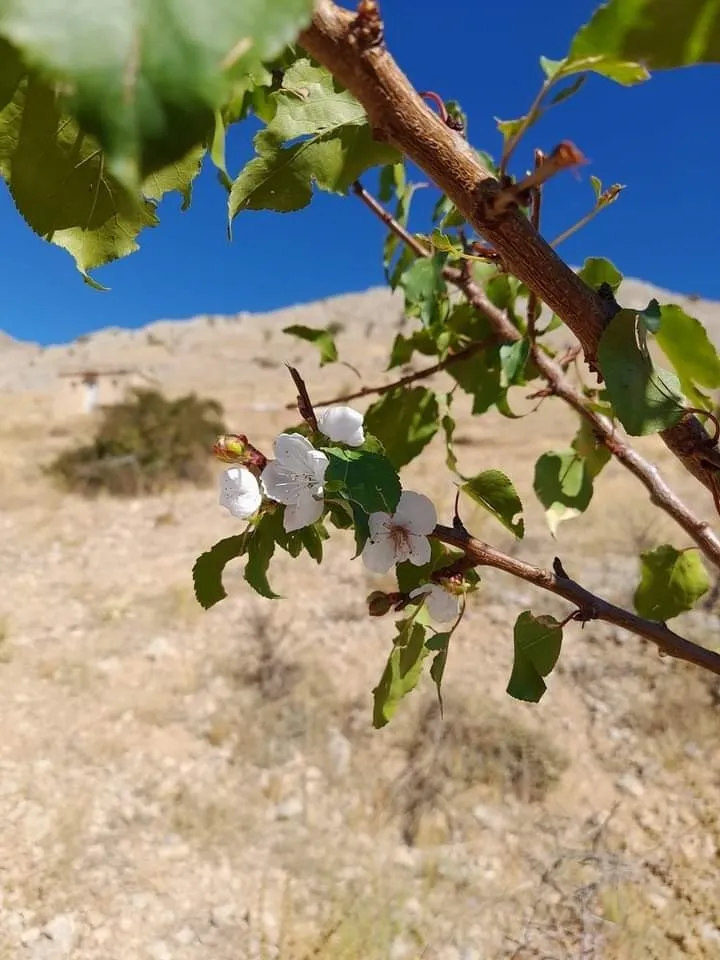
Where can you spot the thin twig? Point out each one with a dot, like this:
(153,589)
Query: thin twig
(476,347)
(589,605)
(610,195)
(661,495)
(338,41)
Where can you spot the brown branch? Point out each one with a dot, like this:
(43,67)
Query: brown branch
(589,605)
(476,347)
(336,39)
(661,495)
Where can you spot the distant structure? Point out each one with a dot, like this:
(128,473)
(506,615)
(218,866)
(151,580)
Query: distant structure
(83,391)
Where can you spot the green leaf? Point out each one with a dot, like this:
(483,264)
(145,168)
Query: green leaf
(568,91)
(405,420)
(595,455)
(494,491)
(369,479)
(672,581)
(537,642)
(424,289)
(361,529)
(509,128)
(146,76)
(624,72)
(657,33)
(392,181)
(208,570)
(644,398)
(513,360)
(260,549)
(448,424)
(563,485)
(685,343)
(59,181)
(441,643)
(598,270)
(318,134)
(322,339)
(444,244)
(402,672)
(550,67)
(481,376)
(404,347)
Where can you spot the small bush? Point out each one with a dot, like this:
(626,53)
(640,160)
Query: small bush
(143,446)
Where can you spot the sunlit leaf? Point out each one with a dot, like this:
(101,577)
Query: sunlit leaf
(672,581)
(537,642)
(209,567)
(368,479)
(563,486)
(321,338)
(597,270)
(405,420)
(146,76)
(494,491)
(60,184)
(402,672)
(685,342)
(319,134)
(645,399)
(657,33)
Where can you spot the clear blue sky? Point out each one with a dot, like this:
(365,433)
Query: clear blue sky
(661,139)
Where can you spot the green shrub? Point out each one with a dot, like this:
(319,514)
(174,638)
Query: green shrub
(143,446)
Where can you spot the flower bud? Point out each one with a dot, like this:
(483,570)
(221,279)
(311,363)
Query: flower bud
(379,603)
(235,448)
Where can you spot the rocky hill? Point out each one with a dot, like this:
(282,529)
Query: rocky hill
(178,785)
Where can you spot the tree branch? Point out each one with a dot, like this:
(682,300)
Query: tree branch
(339,40)
(660,493)
(477,347)
(589,606)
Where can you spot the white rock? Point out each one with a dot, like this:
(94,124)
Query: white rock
(629,784)
(289,809)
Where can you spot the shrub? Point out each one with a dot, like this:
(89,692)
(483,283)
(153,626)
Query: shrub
(144,445)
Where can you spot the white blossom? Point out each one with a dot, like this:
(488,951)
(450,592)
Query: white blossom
(342,424)
(239,492)
(441,604)
(402,535)
(295,477)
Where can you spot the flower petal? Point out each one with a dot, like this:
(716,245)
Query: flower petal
(281,484)
(415,512)
(378,525)
(343,425)
(441,605)
(418,552)
(379,555)
(318,463)
(239,492)
(292,450)
(303,512)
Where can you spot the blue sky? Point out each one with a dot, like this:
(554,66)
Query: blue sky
(660,139)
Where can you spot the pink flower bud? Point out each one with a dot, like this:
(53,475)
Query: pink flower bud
(235,448)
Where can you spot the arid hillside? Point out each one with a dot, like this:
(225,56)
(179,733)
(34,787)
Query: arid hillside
(183,785)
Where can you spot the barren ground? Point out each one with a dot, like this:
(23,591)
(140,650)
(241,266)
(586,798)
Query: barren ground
(181,784)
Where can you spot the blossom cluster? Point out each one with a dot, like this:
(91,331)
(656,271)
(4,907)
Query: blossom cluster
(295,478)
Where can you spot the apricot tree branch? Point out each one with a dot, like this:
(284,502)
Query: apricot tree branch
(476,347)
(340,41)
(589,605)
(661,495)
